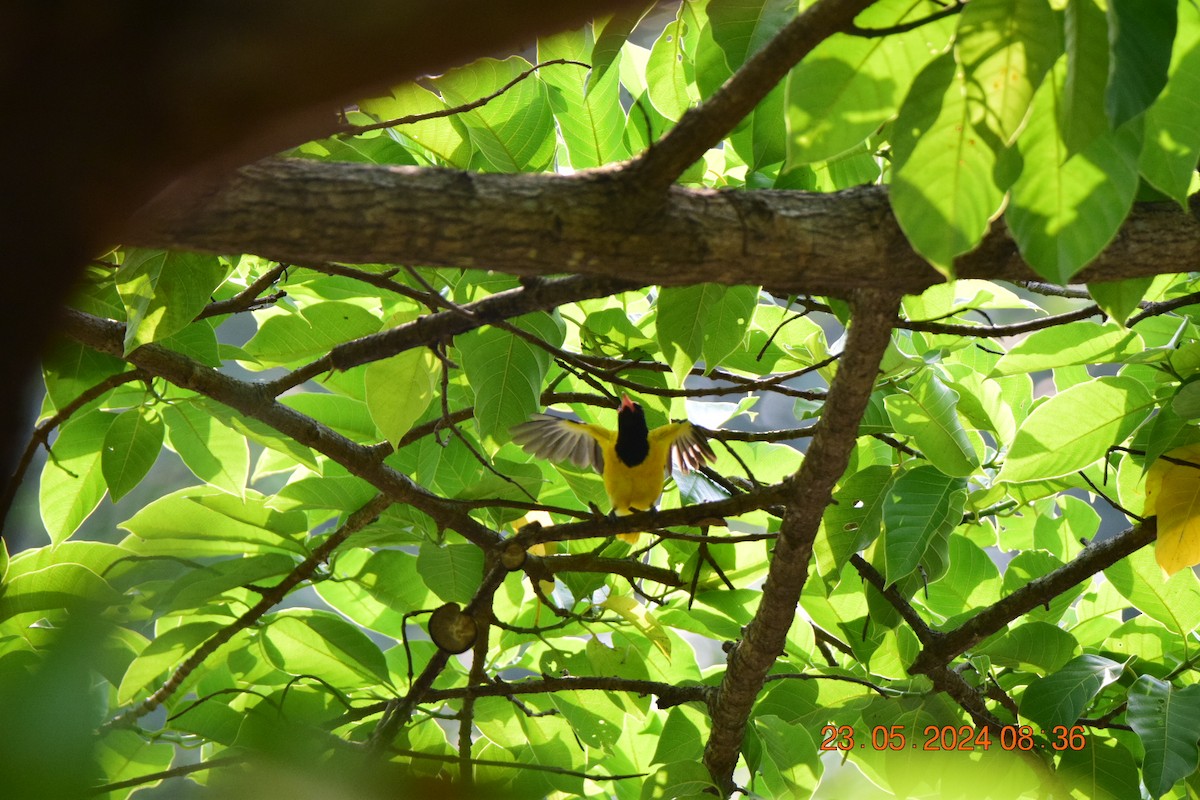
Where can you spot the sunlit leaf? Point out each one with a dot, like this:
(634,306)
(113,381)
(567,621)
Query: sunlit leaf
(1103,413)
(1062,697)
(72,482)
(943,190)
(1006,47)
(1173,494)
(131,446)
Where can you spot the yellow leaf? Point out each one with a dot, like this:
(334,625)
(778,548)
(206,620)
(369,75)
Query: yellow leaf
(1173,494)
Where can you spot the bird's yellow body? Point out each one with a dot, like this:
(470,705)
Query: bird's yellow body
(634,462)
(636,488)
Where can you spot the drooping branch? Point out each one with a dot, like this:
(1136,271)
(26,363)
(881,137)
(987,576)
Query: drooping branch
(811,491)
(790,242)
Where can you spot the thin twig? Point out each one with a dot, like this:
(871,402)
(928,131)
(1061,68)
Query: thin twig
(355,130)
(173,772)
(248,298)
(41,433)
(996,331)
(893,30)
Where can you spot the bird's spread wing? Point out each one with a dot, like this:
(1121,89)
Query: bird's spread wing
(558,439)
(689,448)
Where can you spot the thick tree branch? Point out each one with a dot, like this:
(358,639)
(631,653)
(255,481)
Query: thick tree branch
(790,242)
(811,491)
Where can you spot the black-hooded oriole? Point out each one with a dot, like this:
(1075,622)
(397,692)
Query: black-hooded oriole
(634,461)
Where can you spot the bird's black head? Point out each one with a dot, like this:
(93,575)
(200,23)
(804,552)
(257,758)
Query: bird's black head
(633,443)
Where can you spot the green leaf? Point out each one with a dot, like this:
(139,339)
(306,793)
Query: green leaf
(1163,434)
(214,453)
(305,641)
(449,468)
(1061,697)
(337,490)
(587,108)
(442,139)
(72,482)
(507,372)
(198,341)
(1082,107)
(131,446)
(348,416)
(163,291)
(943,192)
(515,131)
(1032,564)
(125,755)
(1140,33)
(854,520)
(1006,47)
(1103,770)
(202,584)
(741,29)
(376,590)
(1172,132)
(611,33)
(69,586)
(399,391)
(164,653)
(679,780)
(849,86)
(1063,214)
(706,321)
(1167,721)
(452,571)
(1185,403)
(666,77)
(973,583)
(285,338)
(259,432)
(1119,299)
(923,505)
(203,520)
(1174,602)
(1073,343)
(70,369)
(928,413)
(791,765)
(680,739)
(1103,412)
(1035,646)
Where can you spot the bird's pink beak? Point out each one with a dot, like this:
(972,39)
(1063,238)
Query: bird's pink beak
(626,403)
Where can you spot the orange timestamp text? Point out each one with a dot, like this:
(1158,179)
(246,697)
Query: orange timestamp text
(951,737)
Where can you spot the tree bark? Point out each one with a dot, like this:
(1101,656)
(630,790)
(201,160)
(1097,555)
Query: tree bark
(306,211)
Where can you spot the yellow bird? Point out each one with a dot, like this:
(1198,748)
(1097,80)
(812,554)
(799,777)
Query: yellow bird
(634,461)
